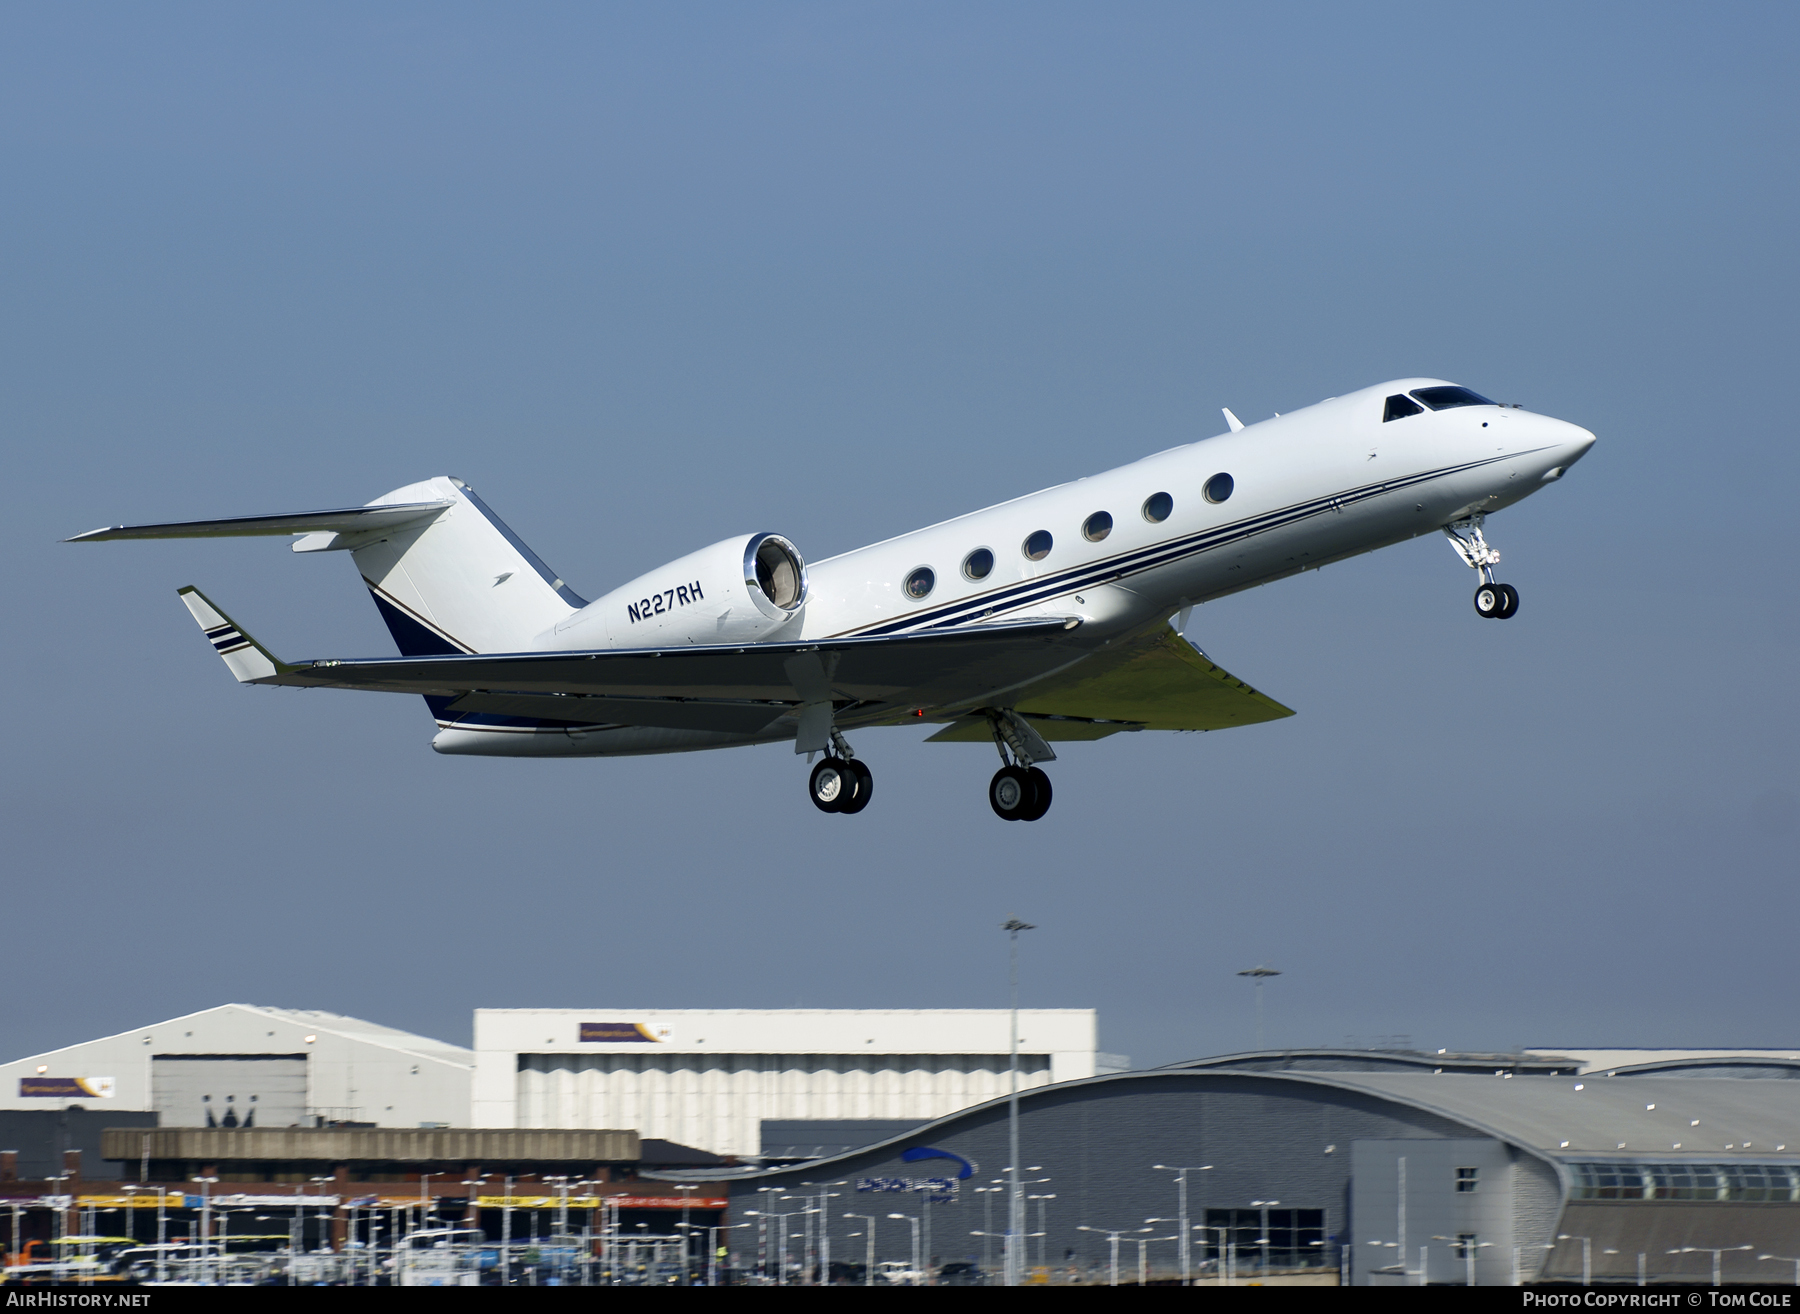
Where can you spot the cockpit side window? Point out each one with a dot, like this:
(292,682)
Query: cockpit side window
(1443,399)
(1399,407)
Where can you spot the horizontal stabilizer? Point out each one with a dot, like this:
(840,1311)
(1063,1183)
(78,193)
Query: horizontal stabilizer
(247,659)
(344,520)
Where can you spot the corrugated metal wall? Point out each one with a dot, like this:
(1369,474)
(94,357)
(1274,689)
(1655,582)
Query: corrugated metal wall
(718,1104)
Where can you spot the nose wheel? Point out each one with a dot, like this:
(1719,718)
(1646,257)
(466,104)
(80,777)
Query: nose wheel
(1496,601)
(1493,600)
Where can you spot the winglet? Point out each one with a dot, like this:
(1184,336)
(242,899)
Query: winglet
(247,659)
(1231,419)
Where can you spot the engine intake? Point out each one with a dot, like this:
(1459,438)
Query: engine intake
(739,591)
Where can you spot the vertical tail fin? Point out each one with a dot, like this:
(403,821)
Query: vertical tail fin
(460,582)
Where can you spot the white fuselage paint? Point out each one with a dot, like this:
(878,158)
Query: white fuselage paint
(1310,487)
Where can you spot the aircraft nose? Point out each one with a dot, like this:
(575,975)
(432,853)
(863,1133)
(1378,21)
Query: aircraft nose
(1571,443)
(1577,441)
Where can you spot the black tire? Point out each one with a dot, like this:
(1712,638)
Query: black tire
(1509,602)
(864,781)
(831,785)
(1011,793)
(1040,794)
(1488,601)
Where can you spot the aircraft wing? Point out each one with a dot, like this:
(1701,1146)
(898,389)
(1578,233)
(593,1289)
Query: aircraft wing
(733,688)
(1159,681)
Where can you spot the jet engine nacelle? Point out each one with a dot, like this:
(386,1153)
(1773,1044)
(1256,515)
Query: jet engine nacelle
(739,591)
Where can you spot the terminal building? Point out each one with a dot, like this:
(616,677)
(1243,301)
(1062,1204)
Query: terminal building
(711,1078)
(1391,1177)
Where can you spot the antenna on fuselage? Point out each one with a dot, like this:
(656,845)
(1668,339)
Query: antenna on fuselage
(1231,419)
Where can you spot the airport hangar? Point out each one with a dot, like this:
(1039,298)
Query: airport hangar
(1537,1174)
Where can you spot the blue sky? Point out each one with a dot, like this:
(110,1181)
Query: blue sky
(647,276)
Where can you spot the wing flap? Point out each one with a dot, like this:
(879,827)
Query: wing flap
(1055,729)
(1157,682)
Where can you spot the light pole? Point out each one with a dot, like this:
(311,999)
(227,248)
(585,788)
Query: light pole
(762,1231)
(1715,1251)
(1143,1244)
(1259,974)
(1263,1239)
(320,1183)
(987,1194)
(1182,1209)
(1468,1249)
(918,1272)
(1043,1227)
(1225,1275)
(781,1237)
(1112,1238)
(206,1264)
(712,1250)
(824,1229)
(1015,1204)
(1587,1256)
(506,1208)
(1641,1257)
(869,1266)
(1784,1259)
(687,1239)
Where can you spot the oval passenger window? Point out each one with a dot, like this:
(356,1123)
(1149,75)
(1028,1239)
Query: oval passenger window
(978,563)
(1037,547)
(1097,527)
(920,583)
(1157,507)
(1219,487)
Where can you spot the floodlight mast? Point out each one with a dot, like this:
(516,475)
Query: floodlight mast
(1015,1211)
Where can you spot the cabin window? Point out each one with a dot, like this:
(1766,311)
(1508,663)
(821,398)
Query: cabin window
(1037,547)
(1399,407)
(1096,526)
(920,583)
(978,564)
(1219,487)
(1445,398)
(1157,507)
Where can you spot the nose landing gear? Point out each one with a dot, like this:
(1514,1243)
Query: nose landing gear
(1493,601)
(1019,791)
(840,783)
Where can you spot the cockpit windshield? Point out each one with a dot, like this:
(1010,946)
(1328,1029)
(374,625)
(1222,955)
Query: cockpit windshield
(1449,396)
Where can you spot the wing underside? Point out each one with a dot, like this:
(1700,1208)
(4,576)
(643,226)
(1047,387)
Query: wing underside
(1159,681)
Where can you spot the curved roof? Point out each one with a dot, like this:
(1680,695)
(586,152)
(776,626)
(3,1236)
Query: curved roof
(1553,1118)
(1714,1067)
(1379,1060)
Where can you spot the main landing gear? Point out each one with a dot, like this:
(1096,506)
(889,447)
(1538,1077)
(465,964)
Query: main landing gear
(1492,600)
(840,783)
(1019,791)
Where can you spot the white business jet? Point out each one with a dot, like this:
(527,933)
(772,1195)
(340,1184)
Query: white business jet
(1041,620)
